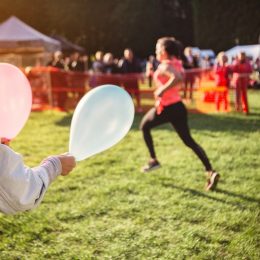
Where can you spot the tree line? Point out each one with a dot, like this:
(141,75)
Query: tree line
(114,25)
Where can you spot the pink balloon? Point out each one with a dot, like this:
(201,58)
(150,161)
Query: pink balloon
(15,100)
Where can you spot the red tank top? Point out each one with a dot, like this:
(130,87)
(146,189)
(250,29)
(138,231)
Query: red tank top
(171,95)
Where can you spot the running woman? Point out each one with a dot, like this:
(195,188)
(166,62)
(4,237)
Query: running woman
(170,109)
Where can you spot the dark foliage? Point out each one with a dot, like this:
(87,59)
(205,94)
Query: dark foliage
(113,25)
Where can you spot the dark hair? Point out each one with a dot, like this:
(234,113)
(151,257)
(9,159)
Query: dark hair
(171,46)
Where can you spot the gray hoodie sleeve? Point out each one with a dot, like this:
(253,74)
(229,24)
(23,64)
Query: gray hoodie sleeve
(23,188)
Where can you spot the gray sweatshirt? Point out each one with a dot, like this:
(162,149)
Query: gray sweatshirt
(23,188)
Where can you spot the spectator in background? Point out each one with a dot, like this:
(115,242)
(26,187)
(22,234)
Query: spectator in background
(190,62)
(57,61)
(110,66)
(206,62)
(84,59)
(151,66)
(98,64)
(257,65)
(130,65)
(256,75)
(222,73)
(241,72)
(76,64)
(66,62)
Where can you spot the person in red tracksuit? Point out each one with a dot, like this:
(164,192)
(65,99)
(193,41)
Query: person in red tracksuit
(241,71)
(222,73)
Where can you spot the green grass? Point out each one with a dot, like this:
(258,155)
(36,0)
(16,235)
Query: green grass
(107,209)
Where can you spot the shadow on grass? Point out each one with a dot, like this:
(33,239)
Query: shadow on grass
(213,198)
(65,121)
(243,197)
(202,122)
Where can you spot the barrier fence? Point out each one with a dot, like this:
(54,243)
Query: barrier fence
(57,89)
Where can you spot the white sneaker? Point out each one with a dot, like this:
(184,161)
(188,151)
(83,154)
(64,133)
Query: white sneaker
(152,165)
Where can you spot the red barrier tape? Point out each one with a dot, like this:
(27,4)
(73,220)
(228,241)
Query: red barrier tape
(57,88)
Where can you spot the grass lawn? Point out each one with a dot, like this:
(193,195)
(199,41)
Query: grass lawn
(107,209)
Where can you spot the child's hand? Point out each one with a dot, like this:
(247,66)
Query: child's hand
(67,162)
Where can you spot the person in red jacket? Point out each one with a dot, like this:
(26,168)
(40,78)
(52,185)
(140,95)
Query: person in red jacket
(241,72)
(222,72)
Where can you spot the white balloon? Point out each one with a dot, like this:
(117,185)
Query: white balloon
(101,119)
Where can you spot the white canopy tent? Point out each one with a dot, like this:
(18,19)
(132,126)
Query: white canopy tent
(250,50)
(67,46)
(23,44)
(207,52)
(203,52)
(17,36)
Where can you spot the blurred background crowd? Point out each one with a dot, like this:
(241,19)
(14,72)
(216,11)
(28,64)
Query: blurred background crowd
(107,63)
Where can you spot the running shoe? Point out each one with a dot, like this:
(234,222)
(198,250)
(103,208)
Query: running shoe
(213,178)
(151,165)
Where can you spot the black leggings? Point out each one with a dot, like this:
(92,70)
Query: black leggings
(175,114)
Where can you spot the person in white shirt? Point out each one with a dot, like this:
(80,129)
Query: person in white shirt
(23,188)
